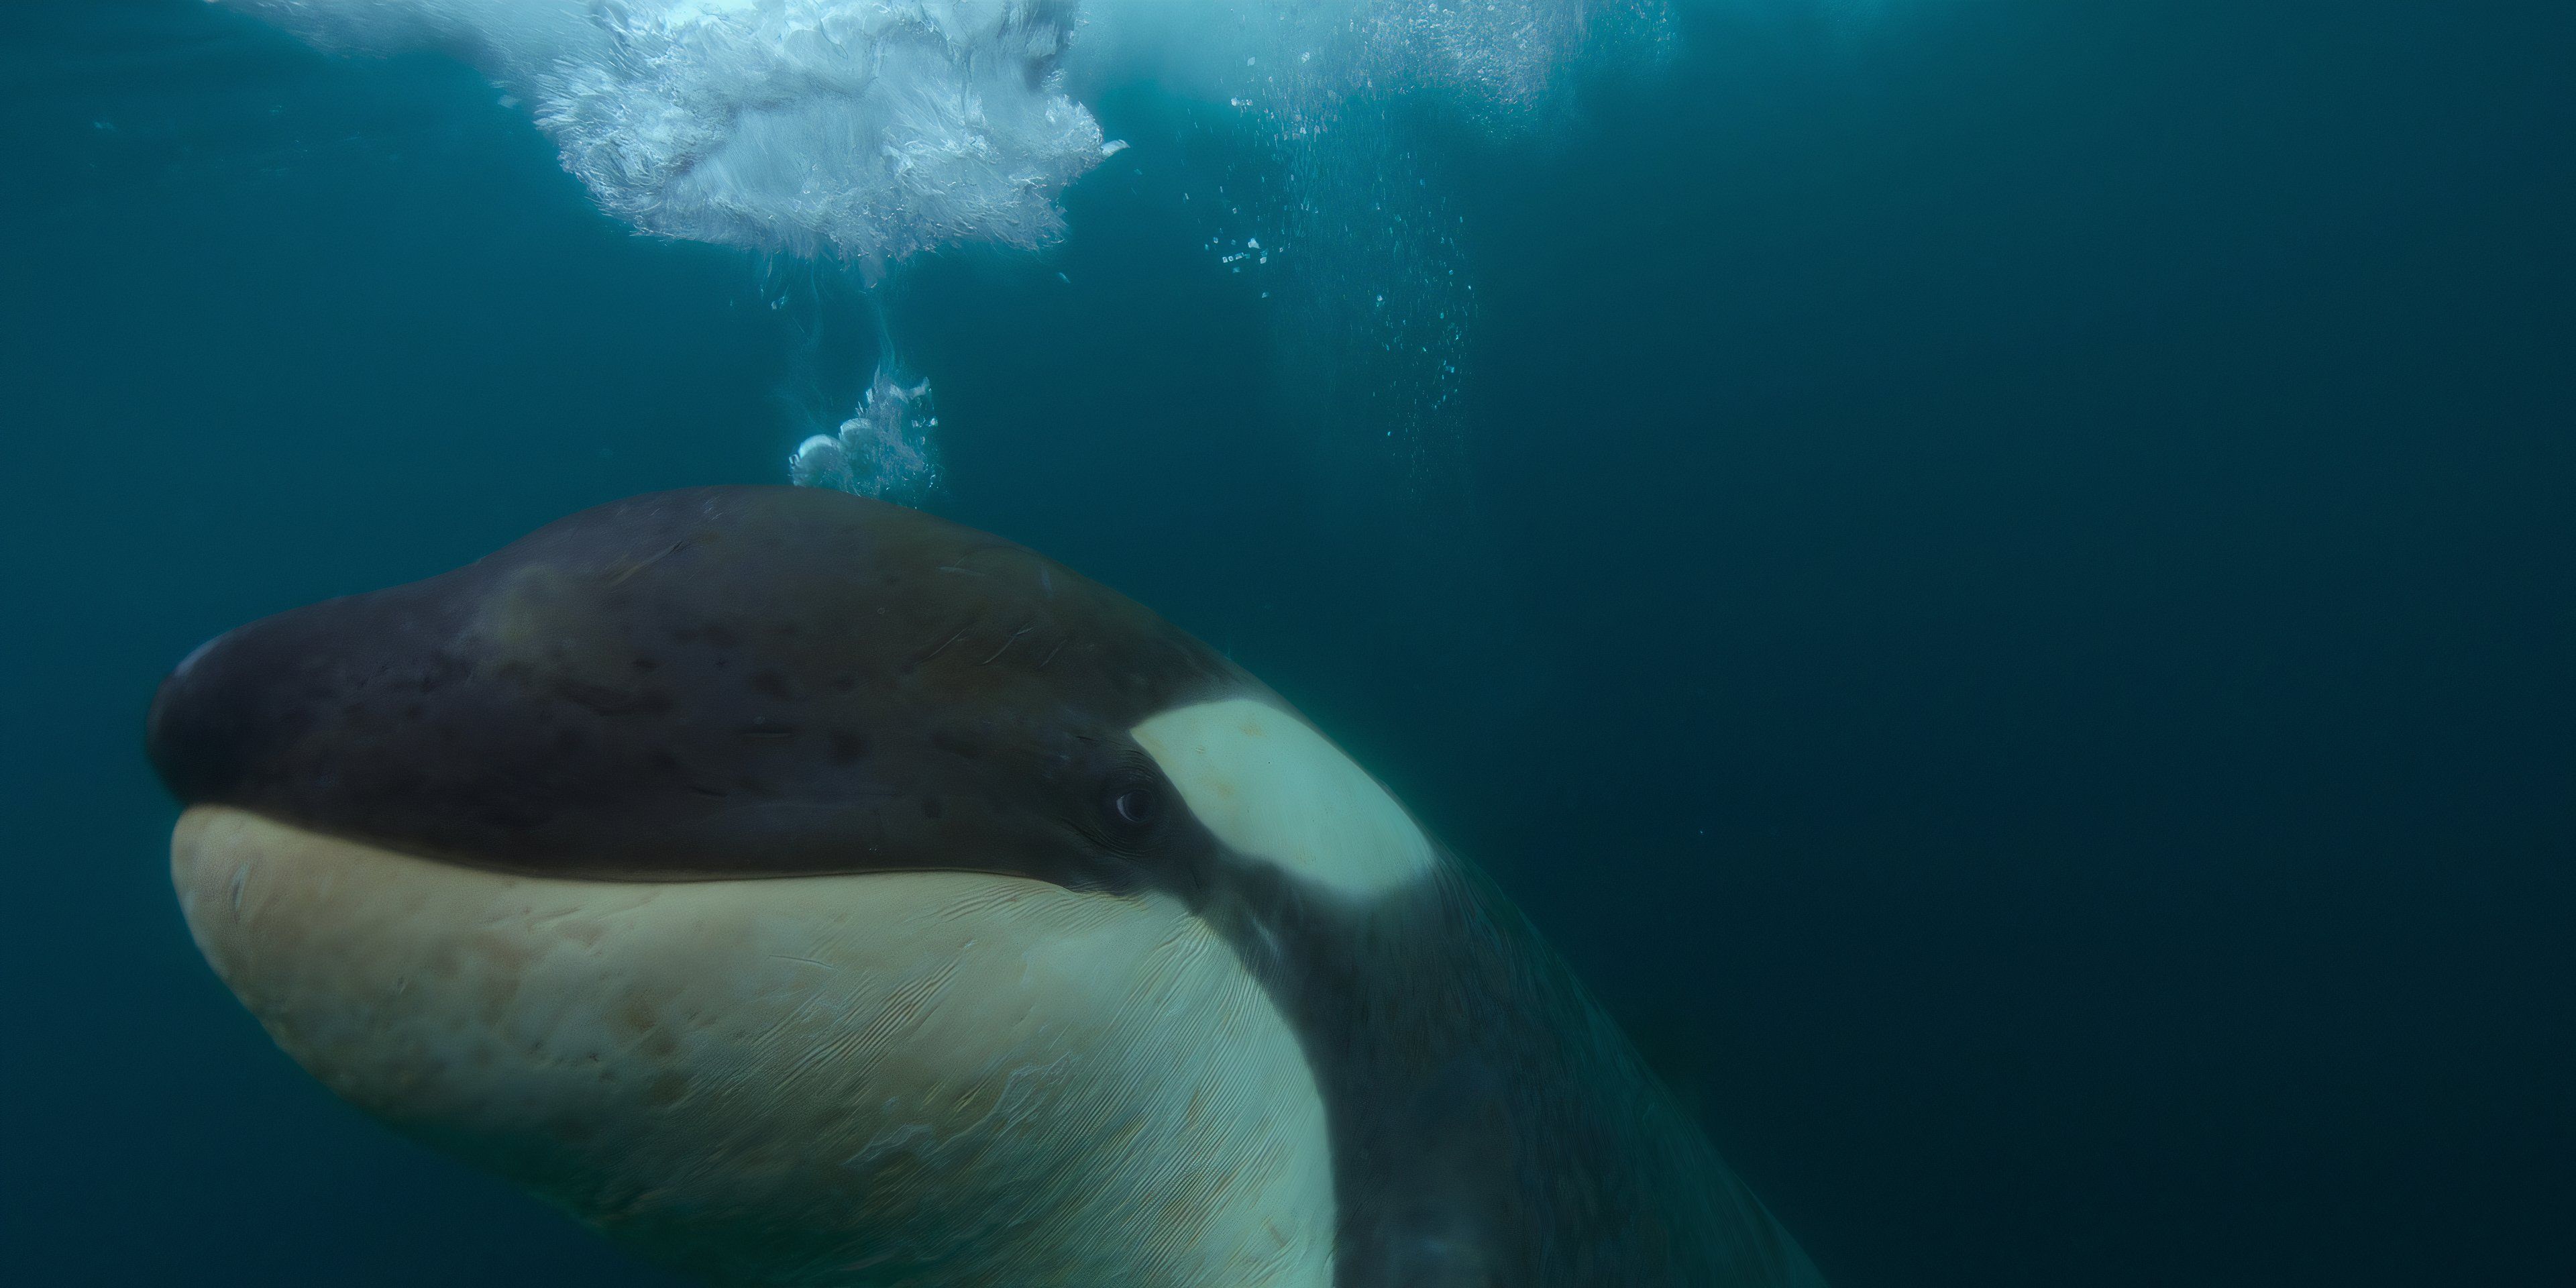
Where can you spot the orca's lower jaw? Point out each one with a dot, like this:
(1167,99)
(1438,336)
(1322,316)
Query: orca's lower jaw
(919,1077)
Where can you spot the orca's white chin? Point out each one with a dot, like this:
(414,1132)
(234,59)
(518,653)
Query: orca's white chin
(931,1077)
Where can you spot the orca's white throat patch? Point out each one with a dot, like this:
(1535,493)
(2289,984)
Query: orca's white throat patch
(1271,787)
(934,1078)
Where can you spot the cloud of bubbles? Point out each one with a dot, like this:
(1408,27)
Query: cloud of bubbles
(863,132)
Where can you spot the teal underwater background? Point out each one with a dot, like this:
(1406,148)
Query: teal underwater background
(2005,587)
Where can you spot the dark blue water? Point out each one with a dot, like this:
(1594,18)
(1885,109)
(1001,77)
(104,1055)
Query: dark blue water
(2006,588)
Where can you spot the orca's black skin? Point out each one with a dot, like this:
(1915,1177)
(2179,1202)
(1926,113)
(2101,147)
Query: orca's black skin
(746,682)
(725,682)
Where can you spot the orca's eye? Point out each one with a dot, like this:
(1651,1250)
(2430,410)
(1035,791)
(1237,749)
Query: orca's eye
(1134,805)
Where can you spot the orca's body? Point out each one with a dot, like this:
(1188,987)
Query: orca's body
(804,890)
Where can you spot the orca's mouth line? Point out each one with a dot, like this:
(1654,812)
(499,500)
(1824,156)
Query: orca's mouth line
(362,848)
(716,875)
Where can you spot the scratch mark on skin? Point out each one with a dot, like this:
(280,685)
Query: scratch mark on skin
(1006,646)
(943,646)
(646,562)
(1059,647)
(787,957)
(962,572)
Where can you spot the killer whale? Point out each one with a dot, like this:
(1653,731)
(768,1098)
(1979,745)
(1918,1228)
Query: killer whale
(805,890)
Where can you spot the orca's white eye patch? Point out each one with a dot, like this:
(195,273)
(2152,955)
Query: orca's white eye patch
(1272,788)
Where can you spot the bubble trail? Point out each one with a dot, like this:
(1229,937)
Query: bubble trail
(865,132)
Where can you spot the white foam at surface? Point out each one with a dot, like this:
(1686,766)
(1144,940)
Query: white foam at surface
(862,130)
(1500,59)
(869,130)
